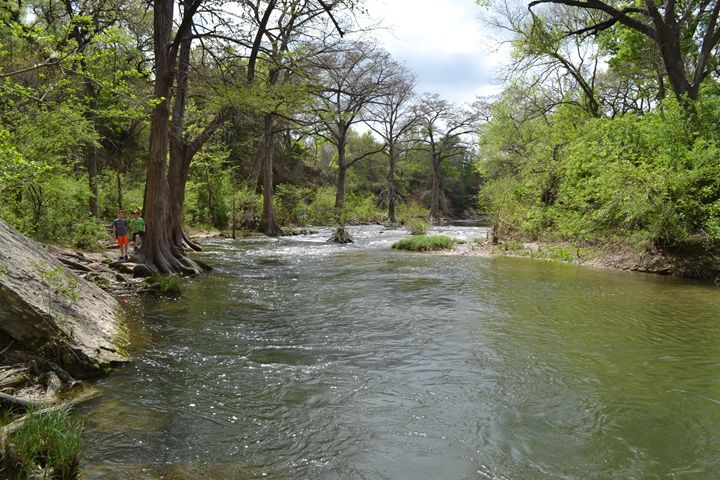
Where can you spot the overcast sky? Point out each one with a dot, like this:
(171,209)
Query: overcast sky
(443,42)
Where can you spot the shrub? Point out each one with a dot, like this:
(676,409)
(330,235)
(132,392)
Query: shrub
(417,226)
(321,211)
(406,211)
(54,210)
(86,234)
(425,243)
(362,208)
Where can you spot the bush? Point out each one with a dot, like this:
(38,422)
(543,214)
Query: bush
(425,243)
(51,441)
(321,211)
(55,210)
(417,226)
(362,208)
(511,246)
(302,206)
(87,234)
(410,210)
(292,204)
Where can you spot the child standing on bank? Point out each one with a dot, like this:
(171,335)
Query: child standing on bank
(120,232)
(137,230)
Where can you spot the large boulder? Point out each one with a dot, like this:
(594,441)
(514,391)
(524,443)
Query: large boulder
(52,312)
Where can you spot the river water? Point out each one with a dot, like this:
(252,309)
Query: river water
(298,359)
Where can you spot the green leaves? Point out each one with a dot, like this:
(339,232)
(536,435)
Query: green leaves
(652,178)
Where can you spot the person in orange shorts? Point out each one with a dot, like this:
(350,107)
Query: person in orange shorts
(120,232)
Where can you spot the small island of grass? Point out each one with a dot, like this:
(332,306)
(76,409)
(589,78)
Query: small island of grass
(425,243)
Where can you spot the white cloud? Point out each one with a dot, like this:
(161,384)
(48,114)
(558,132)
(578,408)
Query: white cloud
(442,42)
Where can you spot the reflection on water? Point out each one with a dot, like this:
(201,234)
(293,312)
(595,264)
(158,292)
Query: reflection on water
(298,359)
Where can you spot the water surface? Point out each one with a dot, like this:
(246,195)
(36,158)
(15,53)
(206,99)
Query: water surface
(297,359)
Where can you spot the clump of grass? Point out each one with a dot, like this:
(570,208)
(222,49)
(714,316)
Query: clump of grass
(417,226)
(166,284)
(50,441)
(561,254)
(511,246)
(425,243)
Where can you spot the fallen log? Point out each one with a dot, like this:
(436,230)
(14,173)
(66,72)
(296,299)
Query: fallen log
(13,381)
(17,403)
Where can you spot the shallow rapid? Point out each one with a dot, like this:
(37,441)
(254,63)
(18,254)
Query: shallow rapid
(297,359)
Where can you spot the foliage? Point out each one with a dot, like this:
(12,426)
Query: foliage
(209,190)
(510,246)
(53,209)
(363,209)
(417,226)
(425,243)
(300,206)
(412,210)
(651,178)
(50,440)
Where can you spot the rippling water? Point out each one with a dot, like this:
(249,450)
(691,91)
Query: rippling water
(297,359)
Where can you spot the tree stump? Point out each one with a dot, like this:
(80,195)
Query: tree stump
(341,235)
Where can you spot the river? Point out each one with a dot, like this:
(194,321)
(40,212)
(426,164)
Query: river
(297,359)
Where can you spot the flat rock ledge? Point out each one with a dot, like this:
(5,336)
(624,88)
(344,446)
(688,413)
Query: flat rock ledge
(49,310)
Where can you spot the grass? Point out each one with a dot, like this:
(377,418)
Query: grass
(511,246)
(48,440)
(425,243)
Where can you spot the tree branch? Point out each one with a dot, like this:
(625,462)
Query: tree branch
(366,154)
(620,15)
(709,42)
(30,69)
(195,146)
(328,9)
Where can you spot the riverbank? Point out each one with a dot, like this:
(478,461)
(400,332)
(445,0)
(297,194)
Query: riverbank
(693,261)
(697,264)
(55,327)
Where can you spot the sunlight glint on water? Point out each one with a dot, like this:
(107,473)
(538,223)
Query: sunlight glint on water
(298,359)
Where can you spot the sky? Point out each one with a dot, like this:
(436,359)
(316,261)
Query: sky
(444,43)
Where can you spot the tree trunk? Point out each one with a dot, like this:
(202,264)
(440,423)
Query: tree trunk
(93,182)
(118,179)
(435,197)
(257,165)
(391,186)
(268,225)
(674,66)
(159,249)
(341,174)
(340,189)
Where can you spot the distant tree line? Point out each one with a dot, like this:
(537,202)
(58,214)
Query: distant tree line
(233,114)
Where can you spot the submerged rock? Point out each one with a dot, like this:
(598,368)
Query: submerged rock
(47,309)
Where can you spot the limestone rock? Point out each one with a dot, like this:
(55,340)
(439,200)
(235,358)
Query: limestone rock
(50,310)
